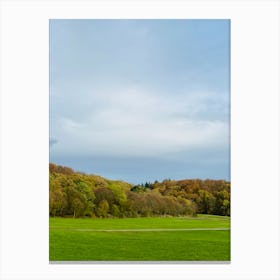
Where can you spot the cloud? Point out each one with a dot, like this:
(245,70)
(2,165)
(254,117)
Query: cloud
(52,141)
(140,89)
(137,122)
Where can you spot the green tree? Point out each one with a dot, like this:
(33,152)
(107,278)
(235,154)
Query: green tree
(206,202)
(103,208)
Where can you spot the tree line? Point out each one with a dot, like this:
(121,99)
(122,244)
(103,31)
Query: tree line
(78,194)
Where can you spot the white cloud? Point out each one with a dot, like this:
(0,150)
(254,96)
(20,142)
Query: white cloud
(141,123)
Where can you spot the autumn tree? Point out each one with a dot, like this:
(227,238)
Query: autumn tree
(78,195)
(102,209)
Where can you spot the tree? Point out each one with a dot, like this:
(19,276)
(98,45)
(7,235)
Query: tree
(119,195)
(57,202)
(57,196)
(79,195)
(206,202)
(222,205)
(102,209)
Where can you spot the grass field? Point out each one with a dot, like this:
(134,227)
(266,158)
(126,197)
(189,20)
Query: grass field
(204,238)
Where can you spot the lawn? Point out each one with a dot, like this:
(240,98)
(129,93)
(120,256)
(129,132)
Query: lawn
(204,238)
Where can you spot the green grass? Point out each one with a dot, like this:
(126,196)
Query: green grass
(152,239)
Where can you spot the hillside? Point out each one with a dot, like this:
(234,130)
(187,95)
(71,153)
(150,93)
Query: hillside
(78,194)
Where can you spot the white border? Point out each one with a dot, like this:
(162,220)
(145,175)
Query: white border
(254,138)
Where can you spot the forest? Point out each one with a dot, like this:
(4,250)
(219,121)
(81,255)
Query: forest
(76,194)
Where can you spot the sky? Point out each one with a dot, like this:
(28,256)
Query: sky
(141,100)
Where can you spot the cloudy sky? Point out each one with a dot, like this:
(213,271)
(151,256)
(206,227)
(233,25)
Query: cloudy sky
(141,100)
